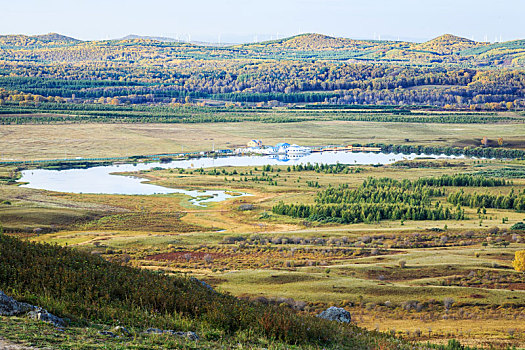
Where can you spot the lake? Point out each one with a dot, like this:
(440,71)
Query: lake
(101,180)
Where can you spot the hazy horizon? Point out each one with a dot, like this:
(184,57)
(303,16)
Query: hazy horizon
(237,21)
(257,38)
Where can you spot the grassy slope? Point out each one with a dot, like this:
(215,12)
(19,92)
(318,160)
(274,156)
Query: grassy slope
(88,289)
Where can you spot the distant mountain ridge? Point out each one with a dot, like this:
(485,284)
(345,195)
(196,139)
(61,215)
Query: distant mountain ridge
(446,43)
(447,48)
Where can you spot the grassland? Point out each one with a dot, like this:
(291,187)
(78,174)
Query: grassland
(240,247)
(56,141)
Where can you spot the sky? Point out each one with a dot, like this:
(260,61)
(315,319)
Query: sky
(235,21)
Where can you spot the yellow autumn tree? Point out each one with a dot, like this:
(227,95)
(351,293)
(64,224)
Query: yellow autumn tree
(519,261)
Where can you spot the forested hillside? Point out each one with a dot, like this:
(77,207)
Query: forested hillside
(448,71)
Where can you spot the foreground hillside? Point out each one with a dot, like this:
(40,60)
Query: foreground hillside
(96,295)
(86,289)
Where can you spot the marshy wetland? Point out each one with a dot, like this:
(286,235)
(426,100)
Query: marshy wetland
(421,279)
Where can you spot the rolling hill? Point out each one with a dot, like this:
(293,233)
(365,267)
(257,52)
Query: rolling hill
(36,40)
(155,38)
(448,44)
(445,49)
(290,70)
(313,41)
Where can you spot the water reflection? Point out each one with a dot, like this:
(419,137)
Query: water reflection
(101,180)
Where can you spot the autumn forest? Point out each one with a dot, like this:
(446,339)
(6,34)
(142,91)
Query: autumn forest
(447,72)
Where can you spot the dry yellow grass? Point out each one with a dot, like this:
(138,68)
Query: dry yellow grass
(21,142)
(481,333)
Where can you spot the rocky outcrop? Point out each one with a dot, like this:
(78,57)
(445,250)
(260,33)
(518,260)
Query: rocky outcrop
(117,332)
(11,307)
(8,345)
(336,314)
(44,316)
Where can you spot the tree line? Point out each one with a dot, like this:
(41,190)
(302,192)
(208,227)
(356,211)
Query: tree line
(375,200)
(462,180)
(325,168)
(367,213)
(13,102)
(512,200)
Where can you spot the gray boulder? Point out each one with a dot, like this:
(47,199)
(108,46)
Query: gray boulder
(154,331)
(244,207)
(336,314)
(44,316)
(187,335)
(11,307)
